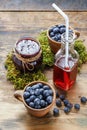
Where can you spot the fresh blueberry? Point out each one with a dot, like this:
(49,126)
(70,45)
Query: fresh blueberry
(61,26)
(32,98)
(77,106)
(43,103)
(41,90)
(49,99)
(40,85)
(37,107)
(37,92)
(56,30)
(59,37)
(52,34)
(66,110)
(58,103)
(46,87)
(70,105)
(37,102)
(83,100)
(27,101)
(55,38)
(56,112)
(50,92)
(45,93)
(62,97)
(51,30)
(40,96)
(36,86)
(28,88)
(31,104)
(62,30)
(57,94)
(65,101)
(31,92)
(26,95)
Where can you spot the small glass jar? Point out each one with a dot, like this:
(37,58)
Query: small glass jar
(64,77)
(27,54)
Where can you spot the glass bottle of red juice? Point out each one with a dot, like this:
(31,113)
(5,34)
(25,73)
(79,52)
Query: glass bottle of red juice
(65,77)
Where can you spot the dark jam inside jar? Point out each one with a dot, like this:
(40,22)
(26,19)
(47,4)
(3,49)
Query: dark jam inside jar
(27,55)
(63,77)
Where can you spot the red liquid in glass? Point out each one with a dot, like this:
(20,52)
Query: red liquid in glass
(63,77)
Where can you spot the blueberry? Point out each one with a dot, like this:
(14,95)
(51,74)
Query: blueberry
(56,30)
(40,85)
(37,102)
(49,99)
(45,93)
(58,103)
(77,106)
(50,92)
(55,38)
(56,112)
(83,100)
(61,26)
(66,110)
(37,92)
(36,86)
(41,90)
(31,104)
(26,95)
(43,103)
(37,107)
(27,101)
(46,87)
(28,88)
(32,98)
(31,92)
(65,101)
(58,37)
(40,96)
(57,94)
(51,30)
(62,97)
(70,105)
(52,34)
(62,30)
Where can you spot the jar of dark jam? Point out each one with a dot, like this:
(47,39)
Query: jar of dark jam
(27,54)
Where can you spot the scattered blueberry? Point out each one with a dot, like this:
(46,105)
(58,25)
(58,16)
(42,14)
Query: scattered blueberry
(65,101)
(70,105)
(83,100)
(62,97)
(58,103)
(56,112)
(66,110)
(77,106)
(57,94)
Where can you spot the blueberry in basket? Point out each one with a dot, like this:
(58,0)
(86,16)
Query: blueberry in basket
(56,31)
(38,96)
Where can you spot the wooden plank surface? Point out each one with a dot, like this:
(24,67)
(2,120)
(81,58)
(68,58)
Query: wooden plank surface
(13,115)
(32,5)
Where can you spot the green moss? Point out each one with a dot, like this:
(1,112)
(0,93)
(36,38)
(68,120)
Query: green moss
(20,79)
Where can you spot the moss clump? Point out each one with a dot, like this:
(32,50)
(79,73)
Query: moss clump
(81,49)
(20,79)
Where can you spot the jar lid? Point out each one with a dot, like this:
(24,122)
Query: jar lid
(27,47)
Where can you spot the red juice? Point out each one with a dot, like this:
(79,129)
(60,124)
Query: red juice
(63,77)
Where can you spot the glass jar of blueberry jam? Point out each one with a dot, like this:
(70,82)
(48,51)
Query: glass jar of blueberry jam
(27,54)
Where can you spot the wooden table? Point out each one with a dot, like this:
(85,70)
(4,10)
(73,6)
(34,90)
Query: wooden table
(13,115)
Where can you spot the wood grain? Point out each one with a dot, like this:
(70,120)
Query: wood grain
(13,115)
